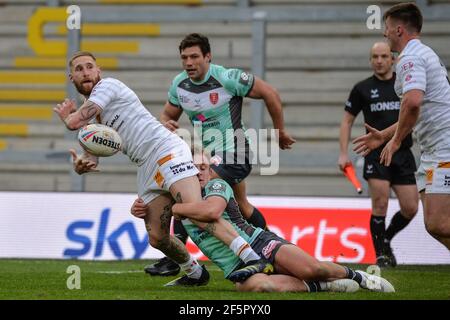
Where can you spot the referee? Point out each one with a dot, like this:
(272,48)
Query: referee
(376,98)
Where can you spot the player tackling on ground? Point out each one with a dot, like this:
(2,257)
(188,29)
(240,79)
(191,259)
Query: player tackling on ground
(295,269)
(156,151)
(424,88)
(212,97)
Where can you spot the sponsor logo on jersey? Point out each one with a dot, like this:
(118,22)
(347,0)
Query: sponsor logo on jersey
(116,117)
(348,104)
(374,93)
(199,117)
(214,97)
(183,99)
(217,187)
(385,106)
(244,78)
(407,66)
(446,181)
(408,77)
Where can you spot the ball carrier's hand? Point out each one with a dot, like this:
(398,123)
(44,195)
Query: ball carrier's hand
(84,163)
(64,109)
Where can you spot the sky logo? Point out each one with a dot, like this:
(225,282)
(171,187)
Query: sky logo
(75,234)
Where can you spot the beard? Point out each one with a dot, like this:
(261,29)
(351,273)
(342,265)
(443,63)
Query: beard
(83,90)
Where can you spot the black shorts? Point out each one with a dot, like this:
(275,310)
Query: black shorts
(267,245)
(234,171)
(400,172)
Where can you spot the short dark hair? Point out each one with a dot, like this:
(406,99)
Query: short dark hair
(80,54)
(196,39)
(408,13)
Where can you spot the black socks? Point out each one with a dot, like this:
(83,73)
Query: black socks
(377,229)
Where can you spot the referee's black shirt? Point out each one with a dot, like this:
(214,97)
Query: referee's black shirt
(379,103)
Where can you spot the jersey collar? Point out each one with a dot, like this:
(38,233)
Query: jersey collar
(408,46)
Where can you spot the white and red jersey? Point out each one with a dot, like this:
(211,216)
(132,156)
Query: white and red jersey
(419,67)
(142,134)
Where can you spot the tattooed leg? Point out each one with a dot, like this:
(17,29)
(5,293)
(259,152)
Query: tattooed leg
(157,223)
(174,249)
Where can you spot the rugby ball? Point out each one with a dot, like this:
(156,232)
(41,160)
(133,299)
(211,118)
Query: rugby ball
(99,140)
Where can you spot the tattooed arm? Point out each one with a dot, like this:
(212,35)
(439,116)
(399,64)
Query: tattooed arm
(75,119)
(207,210)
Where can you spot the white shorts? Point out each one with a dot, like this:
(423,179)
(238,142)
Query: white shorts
(172,162)
(433,174)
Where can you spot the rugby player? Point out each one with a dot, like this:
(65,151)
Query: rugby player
(295,270)
(376,98)
(424,88)
(212,98)
(154,149)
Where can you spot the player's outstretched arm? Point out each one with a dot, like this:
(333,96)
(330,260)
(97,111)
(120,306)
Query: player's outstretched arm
(409,114)
(84,163)
(75,119)
(271,97)
(373,139)
(208,210)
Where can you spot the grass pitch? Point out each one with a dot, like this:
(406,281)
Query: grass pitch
(47,279)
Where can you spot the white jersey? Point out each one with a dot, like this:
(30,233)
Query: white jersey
(419,67)
(122,110)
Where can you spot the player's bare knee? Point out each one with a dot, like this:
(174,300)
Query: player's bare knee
(409,211)
(380,208)
(437,229)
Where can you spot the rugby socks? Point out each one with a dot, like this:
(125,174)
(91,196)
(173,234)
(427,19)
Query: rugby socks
(315,286)
(257,219)
(242,249)
(192,268)
(377,229)
(353,275)
(398,223)
(179,231)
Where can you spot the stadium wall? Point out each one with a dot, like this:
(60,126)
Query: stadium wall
(98,226)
